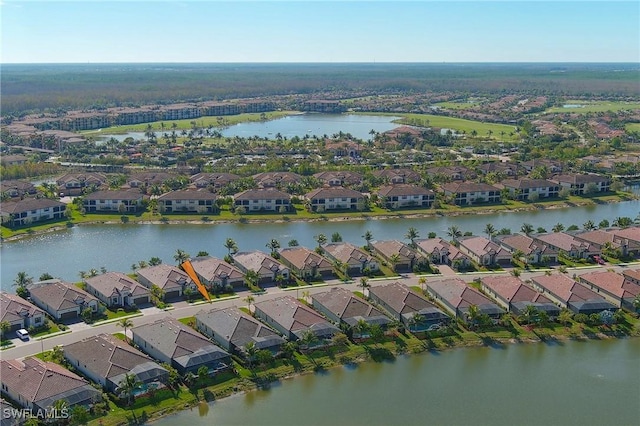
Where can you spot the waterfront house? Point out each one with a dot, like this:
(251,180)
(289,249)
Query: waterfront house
(334,198)
(402,196)
(267,268)
(339,178)
(328,106)
(631,233)
(457,297)
(256,200)
(579,184)
(570,294)
(213,180)
(216,273)
(37,385)
(116,289)
(106,360)
(31,210)
(456,173)
(614,287)
(73,184)
(397,176)
(17,188)
(113,201)
(601,239)
(408,307)
(170,279)
(293,318)
(233,330)
(62,300)
(468,193)
(398,254)
(169,341)
(522,189)
(483,251)
(343,307)
(305,263)
(532,251)
(276,179)
(19,313)
(355,260)
(202,202)
(514,295)
(567,244)
(442,252)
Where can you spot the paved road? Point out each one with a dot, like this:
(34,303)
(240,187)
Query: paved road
(183,309)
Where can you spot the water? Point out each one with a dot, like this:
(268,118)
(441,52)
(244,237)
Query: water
(574,383)
(63,254)
(296,125)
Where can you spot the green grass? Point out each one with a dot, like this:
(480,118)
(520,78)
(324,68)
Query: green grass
(53,328)
(190,321)
(110,315)
(456,105)
(632,127)
(595,106)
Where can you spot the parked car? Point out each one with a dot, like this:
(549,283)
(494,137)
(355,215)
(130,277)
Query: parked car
(598,260)
(23,334)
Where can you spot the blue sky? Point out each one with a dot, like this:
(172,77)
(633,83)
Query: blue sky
(323,31)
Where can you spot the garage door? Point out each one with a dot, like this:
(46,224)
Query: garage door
(172,294)
(141,300)
(68,315)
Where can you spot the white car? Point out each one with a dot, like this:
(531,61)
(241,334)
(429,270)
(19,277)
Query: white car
(23,334)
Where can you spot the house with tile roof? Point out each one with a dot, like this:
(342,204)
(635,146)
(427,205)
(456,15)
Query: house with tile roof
(184,201)
(31,210)
(567,244)
(339,178)
(257,200)
(17,188)
(533,252)
(398,176)
(457,297)
(483,251)
(215,273)
(113,201)
(405,196)
(306,264)
(213,180)
(171,280)
(522,189)
(117,289)
(62,300)
(468,193)
(293,318)
(233,329)
(268,268)
(356,260)
(334,198)
(276,179)
(410,308)
(106,360)
(75,183)
(442,252)
(614,287)
(514,295)
(572,295)
(579,184)
(19,313)
(398,254)
(601,239)
(169,341)
(37,385)
(343,307)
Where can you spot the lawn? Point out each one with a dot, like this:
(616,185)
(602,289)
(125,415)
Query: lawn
(456,105)
(632,127)
(595,106)
(110,315)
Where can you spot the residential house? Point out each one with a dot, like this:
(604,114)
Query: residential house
(632,275)
(468,193)
(522,189)
(339,178)
(170,279)
(19,313)
(107,360)
(355,260)
(293,318)
(37,385)
(8,420)
(601,240)
(328,106)
(73,184)
(13,160)
(579,184)
(398,254)
(113,201)
(116,289)
(171,342)
(62,300)
(17,188)
(201,202)
(483,251)
(145,180)
(398,176)
(501,168)
(457,297)
(442,252)
(570,294)
(343,148)
(402,196)
(335,198)
(631,233)
(233,330)
(254,200)
(614,287)
(532,252)
(213,180)
(514,295)
(217,274)
(31,210)
(408,307)
(343,307)
(276,179)
(567,244)
(305,263)
(269,269)
(551,166)
(456,173)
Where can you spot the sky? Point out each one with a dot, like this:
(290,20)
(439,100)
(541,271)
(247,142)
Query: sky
(91,31)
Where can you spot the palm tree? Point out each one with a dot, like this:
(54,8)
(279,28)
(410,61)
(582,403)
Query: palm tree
(530,314)
(320,239)
(181,256)
(636,302)
(21,282)
(473,314)
(415,320)
(231,246)
(364,283)
(565,316)
(293,243)
(422,281)
(128,385)
(454,232)
(411,235)
(250,351)
(308,339)
(527,229)
(368,236)
(60,406)
(251,278)
(5,326)
(125,323)
(274,245)
(361,328)
(589,225)
(249,299)
(490,231)
(306,295)
(336,237)
(558,227)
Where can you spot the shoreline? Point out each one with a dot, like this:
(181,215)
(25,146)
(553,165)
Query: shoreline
(361,216)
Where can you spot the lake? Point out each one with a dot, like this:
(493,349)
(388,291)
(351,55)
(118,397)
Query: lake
(297,125)
(63,254)
(572,383)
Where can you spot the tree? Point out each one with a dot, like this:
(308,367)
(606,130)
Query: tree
(490,231)
(516,272)
(155,261)
(368,236)
(364,283)
(21,282)
(250,351)
(79,415)
(181,256)
(394,259)
(5,326)
(202,253)
(604,223)
(251,279)
(473,314)
(125,323)
(203,373)
(527,229)
(46,276)
(558,227)
(308,339)
(454,232)
(361,328)
(128,385)
(336,237)
(589,225)
(320,239)
(622,222)
(249,299)
(565,317)
(274,245)
(422,281)
(530,315)
(411,235)
(231,246)
(305,295)
(293,243)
